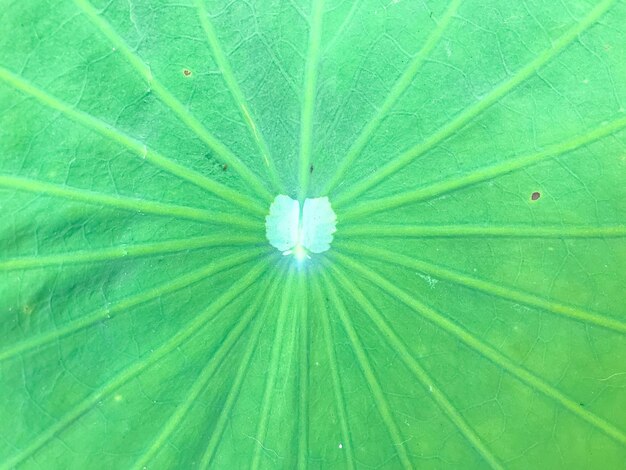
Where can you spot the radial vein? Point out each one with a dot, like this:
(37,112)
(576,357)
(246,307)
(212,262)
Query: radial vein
(374,384)
(126,251)
(336,378)
(480,175)
(396,92)
(235,90)
(507,293)
(124,203)
(133,145)
(242,370)
(522,374)
(466,116)
(505,231)
(172,102)
(420,373)
(201,382)
(303,373)
(39,340)
(272,370)
(308,103)
(136,368)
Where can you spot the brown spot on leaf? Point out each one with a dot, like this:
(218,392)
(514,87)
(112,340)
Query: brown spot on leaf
(186,72)
(536,195)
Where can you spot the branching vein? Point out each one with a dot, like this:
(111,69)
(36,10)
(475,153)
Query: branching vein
(504,292)
(405,355)
(272,371)
(308,103)
(201,382)
(125,252)
(378,395)
(141,206)
(242,370)
(40,340)
(396,92)
(486,231)
(336,377)
(235,90)
(525,376)
(136,368)
(484,174)
(138,148)
(470,113)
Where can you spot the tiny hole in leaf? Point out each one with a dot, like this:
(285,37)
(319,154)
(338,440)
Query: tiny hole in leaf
(536,195)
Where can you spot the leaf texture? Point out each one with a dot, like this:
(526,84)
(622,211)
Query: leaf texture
(470,310)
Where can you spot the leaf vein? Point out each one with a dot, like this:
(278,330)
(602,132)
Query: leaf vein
(235,387)
(201,382)
(172,102)
(504,231)
(420,373)
(125,252)
(41,339)
(336,377)
(481,175)
(497,358)
(136,368)
(466,116)
(266,402)
(236,92)
(308,103)
(504,292)
(124,203)
(138,148)
(398,89)
(366,368)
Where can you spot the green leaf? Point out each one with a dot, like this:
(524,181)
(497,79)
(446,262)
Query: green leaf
(470,311)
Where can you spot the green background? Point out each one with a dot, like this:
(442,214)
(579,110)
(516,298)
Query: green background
(456,321)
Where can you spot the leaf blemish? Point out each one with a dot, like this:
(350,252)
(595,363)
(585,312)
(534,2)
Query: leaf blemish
(536,195)
(186,72)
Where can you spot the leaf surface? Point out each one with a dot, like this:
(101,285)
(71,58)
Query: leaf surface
(469,313)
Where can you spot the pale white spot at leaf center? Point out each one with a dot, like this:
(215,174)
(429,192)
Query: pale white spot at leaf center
(297,230)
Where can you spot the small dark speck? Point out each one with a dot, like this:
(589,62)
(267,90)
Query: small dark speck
(311,169)
(225,166)
(581,404)
(186,72)
(536,195)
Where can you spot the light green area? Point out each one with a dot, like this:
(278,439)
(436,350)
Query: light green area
(459,320)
